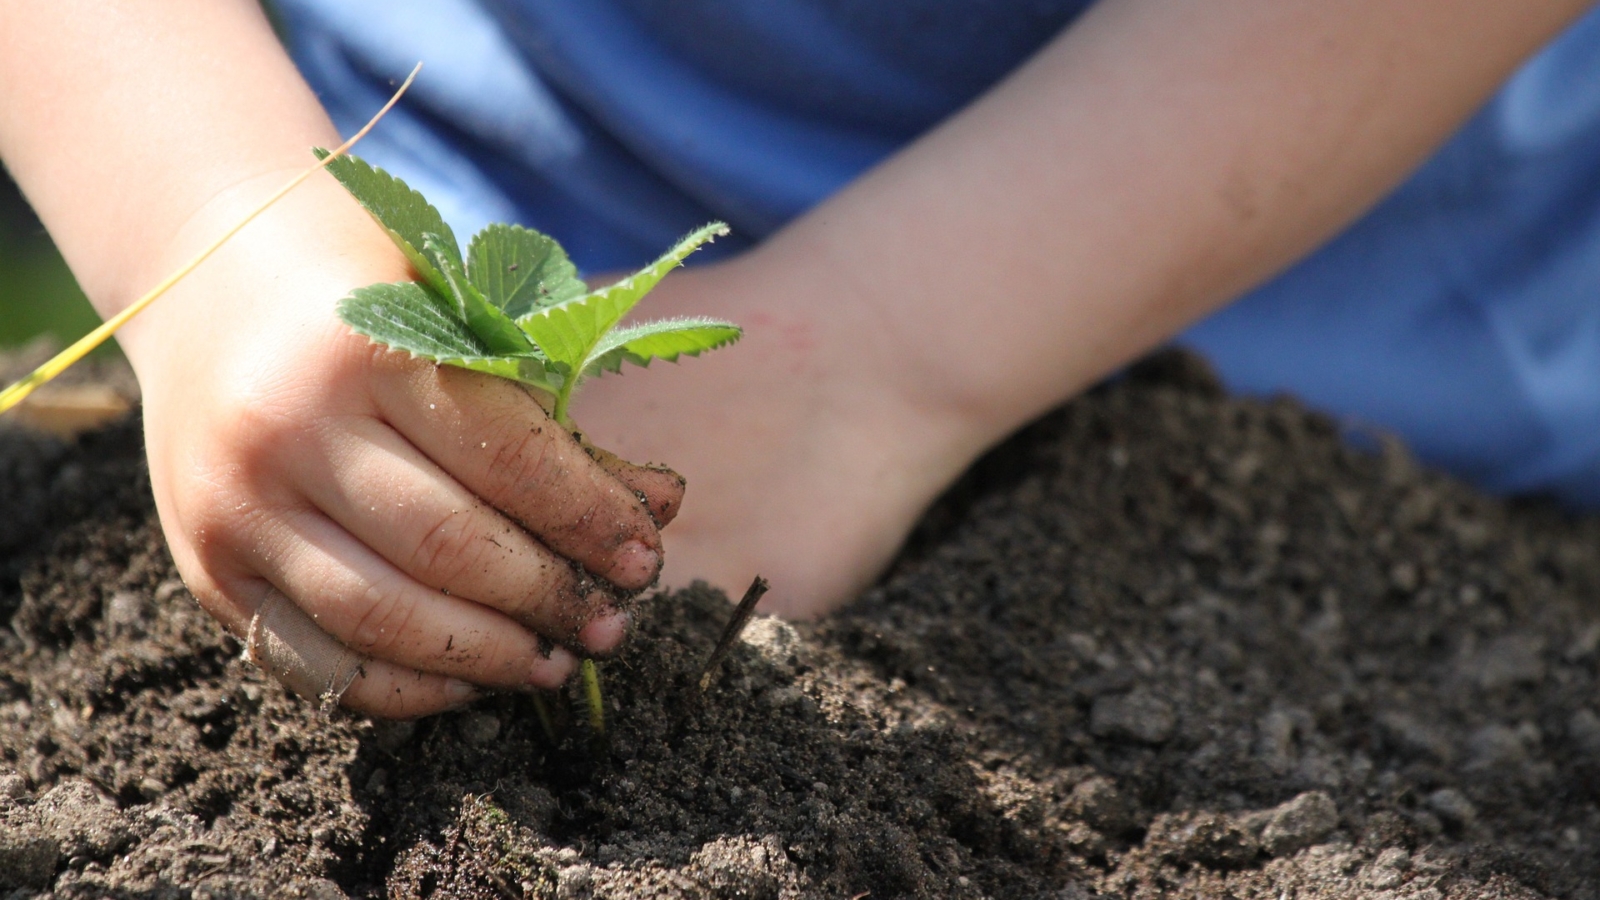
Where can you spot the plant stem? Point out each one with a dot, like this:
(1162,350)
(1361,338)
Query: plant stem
(563,397)
(546,720)
(591,692)
(594,698)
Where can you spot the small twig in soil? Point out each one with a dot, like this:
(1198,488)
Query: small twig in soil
(735,627)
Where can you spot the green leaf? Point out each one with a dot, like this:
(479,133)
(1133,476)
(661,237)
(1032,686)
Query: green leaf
(568,332)
(405,214)
(493,327)
(520,270)
(408,316)
(667,339)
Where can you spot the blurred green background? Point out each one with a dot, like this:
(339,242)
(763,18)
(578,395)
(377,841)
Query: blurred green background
(37,293)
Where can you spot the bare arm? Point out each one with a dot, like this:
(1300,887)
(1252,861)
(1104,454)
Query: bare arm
(125,119)
(1151,164)
(1156,161)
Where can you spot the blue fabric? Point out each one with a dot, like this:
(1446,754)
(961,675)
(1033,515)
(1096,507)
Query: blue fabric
(1461,313)
(614,126)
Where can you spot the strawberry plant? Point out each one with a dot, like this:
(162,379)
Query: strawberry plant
(513,307)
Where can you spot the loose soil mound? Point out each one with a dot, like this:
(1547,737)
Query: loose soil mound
(1164,641)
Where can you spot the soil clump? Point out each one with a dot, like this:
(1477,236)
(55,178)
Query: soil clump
(1163,641)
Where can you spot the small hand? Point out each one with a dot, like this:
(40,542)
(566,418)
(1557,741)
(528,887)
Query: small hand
(436,528)
(811,446)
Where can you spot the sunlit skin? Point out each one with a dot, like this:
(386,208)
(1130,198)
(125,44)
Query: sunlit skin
(1145,168)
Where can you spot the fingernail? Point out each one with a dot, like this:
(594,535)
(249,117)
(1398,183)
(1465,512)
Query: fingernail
(635,565)
(605,632)
(553,671)
(458,692)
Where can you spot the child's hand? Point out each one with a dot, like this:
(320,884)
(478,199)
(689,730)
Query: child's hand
(423,518)
(810,447)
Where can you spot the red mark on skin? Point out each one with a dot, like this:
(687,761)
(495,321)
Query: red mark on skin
(796,338)
(799,337)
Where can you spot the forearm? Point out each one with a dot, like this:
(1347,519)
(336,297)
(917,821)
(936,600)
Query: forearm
(123,121)
(1153,163)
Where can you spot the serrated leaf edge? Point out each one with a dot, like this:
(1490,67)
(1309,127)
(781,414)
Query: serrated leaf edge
(415,255)
(617,341)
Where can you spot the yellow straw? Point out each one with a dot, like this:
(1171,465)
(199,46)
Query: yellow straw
(14,394)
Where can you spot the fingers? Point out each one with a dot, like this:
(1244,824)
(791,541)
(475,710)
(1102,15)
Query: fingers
(658,487)
(284,642)
(421,536)
(389,691)
(288,645)
(369,606)
(497,442)
(386,494)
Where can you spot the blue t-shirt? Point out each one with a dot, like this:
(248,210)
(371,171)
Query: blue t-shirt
(1463,313)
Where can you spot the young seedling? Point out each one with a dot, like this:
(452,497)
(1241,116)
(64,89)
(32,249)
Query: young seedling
(513,307)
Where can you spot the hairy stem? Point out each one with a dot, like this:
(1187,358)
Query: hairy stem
(563,397)
(591,693)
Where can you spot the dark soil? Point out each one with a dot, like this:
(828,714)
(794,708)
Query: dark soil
(1162,642)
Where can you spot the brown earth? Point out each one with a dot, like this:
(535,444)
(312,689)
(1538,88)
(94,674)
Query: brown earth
(1163,642)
